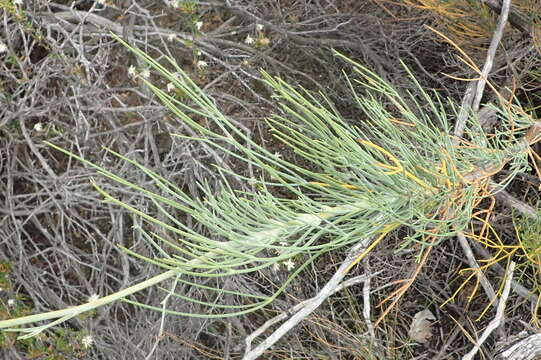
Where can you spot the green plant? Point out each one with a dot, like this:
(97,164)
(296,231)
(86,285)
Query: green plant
(58,345)
(529,249)
(397,167)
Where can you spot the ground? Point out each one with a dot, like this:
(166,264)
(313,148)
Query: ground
(65,80)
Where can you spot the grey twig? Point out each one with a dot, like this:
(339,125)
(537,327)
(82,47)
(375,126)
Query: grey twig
(489,290)
(498,319)
(305,308)
(474,90)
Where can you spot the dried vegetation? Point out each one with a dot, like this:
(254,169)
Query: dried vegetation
(65,80)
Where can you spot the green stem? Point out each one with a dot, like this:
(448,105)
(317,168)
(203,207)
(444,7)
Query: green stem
(76,310)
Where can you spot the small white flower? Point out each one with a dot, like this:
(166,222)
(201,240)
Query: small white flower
(3,48)
(202,64)
(171,37)
(87,341)
(198,25)
(289,264)
(131,71)
(38,127)
(11,302)
(275,267)
(17,2)
(93,297)
(171,87)
(174,4)
(278,155)
(259,27)
(249,40)
(101,2)
(283,243)
(198,53)
(145,74)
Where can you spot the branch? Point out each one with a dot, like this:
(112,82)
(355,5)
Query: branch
(495,323)
(305,308)
(489,290)
(518,205)
(476,88)
(525,349)
(498,33)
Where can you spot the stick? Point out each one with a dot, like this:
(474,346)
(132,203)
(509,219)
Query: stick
(307,307)
(495,323)
(474,90)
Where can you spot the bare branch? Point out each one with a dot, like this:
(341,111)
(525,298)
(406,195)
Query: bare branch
(308,306)
(498,319)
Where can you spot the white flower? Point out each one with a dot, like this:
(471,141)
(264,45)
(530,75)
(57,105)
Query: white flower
(131,71)
(17,2)
(11,302)
(38,127)
(174,4)
(259,27)
(101,2)
(171,87)
(93,297)
(275,267)
(87,341)
(145,74)
(198,25)
(198,53)
(249,40)
(278,155)
(171,37)
(202,64)
(3,47)
(289,264)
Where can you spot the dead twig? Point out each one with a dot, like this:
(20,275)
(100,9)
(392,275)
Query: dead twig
(474,90)
(487,286)
(498,319)
(302,310)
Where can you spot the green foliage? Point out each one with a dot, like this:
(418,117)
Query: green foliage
(59,345)
(398,166)
(528,230)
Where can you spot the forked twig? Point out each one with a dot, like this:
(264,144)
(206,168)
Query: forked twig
(302,310)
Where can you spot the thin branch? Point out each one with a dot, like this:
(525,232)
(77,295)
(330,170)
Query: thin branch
(309,305)
(518,205)
(496,322)
(517,19)
(487,286)
(474,90)
(366,308)
(494,43)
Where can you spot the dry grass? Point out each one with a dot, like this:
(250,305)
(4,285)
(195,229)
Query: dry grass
(63,79)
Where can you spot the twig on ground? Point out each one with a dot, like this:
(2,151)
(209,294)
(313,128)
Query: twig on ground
(489,290)
(496,322)
(494,43)
(302,310)
(474,90)
(366,306)
(516,204)
(528,348)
